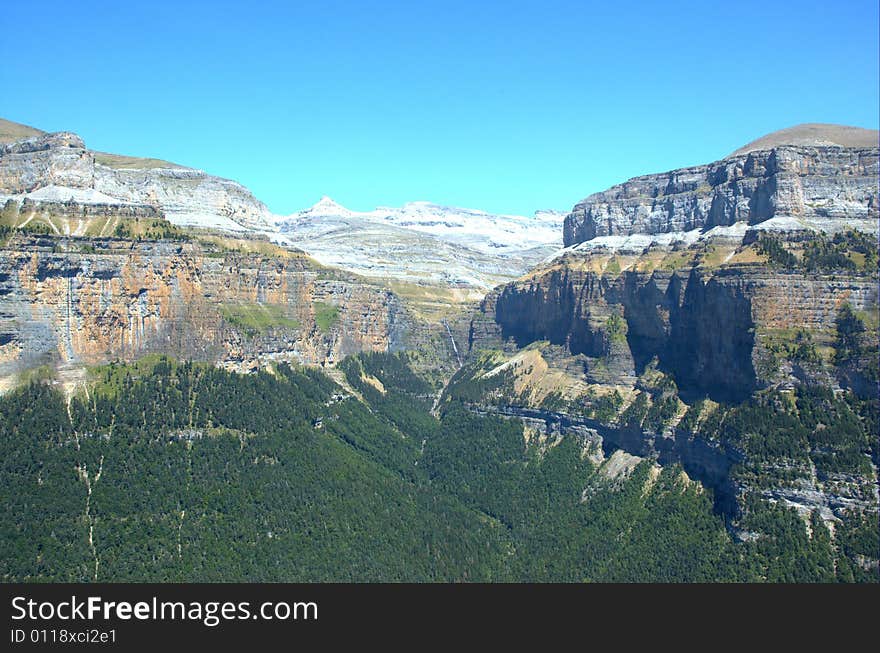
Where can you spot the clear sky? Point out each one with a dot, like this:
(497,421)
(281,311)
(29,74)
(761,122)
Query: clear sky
(505,106)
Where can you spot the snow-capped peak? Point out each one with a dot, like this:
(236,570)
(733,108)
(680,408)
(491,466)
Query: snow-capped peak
(325,206)
(494,234)
(422,240)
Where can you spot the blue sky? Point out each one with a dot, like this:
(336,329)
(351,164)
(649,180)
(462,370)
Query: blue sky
(504,106)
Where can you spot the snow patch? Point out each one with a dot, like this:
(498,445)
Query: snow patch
(205,221)
(485,232)
(784,223)
(735,231)
(67,194)
(638,243)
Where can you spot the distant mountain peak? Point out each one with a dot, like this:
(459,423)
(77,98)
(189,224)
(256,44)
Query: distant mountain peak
(327,206)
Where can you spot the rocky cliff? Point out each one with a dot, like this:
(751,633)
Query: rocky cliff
(425,243)
(55,177)
(82,301)
(693,310)
(712,329)
(122,217)
(641,354)
(54,168)
(824,187)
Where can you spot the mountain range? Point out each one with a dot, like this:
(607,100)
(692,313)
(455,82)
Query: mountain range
(696,346)
(424,242)
(451,246)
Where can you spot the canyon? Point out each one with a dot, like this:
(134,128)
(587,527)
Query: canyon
(690,291)
(95,300)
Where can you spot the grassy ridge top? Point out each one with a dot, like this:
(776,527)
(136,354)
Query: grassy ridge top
(814,134)
(13,131)
(120,161)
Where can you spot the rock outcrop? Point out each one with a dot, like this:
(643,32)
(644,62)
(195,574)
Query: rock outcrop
(58,168)
(820,187)
(59,159)
(89,301)
(186,196)
(706,327)
(720,284)
(425,243)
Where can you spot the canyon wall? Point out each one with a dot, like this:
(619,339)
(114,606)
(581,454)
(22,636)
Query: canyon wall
(704,326)
(59,168)
(88,301)
(825,187)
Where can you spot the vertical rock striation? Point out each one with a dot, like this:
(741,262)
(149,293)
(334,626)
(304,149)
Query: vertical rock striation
(64,303)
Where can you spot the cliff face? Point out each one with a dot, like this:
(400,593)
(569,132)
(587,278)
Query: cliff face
(88,301)
(719,292)
(825,187)
(706,327)
(59,159)
(186,196)
(580,348)
(53,168)
(69,295)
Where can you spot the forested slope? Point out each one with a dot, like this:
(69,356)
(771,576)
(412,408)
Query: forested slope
(167,471)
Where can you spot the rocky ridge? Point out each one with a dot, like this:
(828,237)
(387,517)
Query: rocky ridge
(579,347)
(424,243)
(814,134)
(56,168)
(419,243)
(801,187)
(91,301)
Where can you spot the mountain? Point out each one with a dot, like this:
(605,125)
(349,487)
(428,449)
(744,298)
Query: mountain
(788,187)
(419,243)
(707,316)
(686,392)
(815,135)
(424,242)
(13,131)
(141,274)
(48,171)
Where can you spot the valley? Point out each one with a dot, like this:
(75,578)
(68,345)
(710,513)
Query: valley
(675,381)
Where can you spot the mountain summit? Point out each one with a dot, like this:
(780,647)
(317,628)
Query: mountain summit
(53,168)
(325,206)
(789,181)
(814,134)
(424,242)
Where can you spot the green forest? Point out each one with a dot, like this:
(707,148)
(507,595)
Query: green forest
(178,471)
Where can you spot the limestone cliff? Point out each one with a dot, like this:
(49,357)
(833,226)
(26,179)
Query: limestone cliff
(822,186)
(69,302)
(627,353)
(57,168)
(712,329)
(729,284)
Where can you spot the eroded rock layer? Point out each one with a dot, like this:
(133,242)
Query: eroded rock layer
(59,168)
(825,187)
(88,301)
(706,327)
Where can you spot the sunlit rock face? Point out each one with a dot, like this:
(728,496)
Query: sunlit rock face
(811,187)
(105,299)
(58,168)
